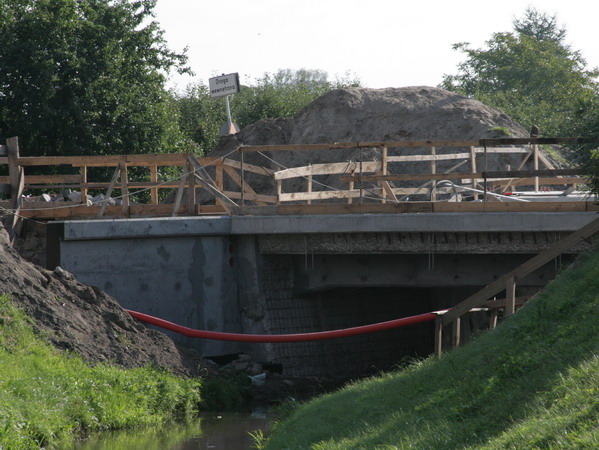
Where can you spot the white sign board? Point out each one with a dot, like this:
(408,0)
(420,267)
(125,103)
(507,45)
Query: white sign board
(224,85)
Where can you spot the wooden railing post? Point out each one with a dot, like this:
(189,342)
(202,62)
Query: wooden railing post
(457,337)
(154,179)
(191,188)
(493,319)
(535,151)
(383,171)
(17,185)
(433,171)
(473,168)
(124,189)
(438,336)
(83,173)
(510,296)
(14,170)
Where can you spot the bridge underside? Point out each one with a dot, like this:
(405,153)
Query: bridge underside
(295,274)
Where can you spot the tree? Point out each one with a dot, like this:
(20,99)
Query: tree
(529,73)
(86,76)
(282,94)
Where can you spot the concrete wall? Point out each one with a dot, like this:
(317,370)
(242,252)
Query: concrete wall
(187,280)
(253,275)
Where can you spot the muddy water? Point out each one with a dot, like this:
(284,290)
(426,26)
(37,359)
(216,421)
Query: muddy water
(211,431)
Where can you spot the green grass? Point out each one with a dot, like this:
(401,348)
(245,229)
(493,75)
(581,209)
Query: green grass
(47,397)
(531,383)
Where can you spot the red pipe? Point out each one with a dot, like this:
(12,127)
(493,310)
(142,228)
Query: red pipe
(301,337)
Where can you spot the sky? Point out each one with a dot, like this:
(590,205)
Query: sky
(384,43)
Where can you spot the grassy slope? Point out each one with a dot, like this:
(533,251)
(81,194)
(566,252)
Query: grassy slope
(531,383)
(47,397)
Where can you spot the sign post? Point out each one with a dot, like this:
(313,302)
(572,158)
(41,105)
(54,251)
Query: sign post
(223,86)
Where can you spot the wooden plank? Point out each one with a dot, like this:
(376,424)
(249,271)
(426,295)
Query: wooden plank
(489,175)
(124,189)
(17,222)
(260,199)
(83,179)
(457,335)
(543,180)
(438,336)
(179,195)
(3,160)
(104,203)
(47,179)
(14,169)
(162,159)
(500,303)
(419,158)
(354,145)
(238,181)
(154,180)
(522,270)
(318,195)
(510,299)
(191,187)
(3,150)
(326,169)
(528,141)
(206,180)
(501,150)
(249,167)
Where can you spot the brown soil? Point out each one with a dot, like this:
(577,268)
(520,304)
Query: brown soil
(86,320)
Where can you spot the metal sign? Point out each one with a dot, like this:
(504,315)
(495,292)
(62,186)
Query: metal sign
(224,85)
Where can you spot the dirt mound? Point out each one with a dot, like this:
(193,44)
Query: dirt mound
(86,320)
(360,114)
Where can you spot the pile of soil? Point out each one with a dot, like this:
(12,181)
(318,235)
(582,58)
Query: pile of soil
(359,114)
(83,319)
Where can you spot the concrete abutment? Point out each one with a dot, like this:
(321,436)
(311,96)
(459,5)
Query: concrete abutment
(276,275)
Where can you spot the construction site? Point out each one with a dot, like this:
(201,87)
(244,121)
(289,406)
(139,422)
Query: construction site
(367,207)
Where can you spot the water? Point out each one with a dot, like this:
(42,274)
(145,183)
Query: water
(211,431)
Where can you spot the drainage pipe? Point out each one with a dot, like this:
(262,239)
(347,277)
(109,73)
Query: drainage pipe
(301,337)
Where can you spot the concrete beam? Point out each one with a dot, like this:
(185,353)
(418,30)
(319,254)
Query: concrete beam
(363,223)
(324,272)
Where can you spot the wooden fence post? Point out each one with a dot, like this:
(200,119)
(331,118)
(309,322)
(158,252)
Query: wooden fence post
(438,336)
(124,189)
(510,296)
(434,171)
(457,337)
(154,179)
(12,146)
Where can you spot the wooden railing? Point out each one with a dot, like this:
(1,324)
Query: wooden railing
(508,284)
(386,181)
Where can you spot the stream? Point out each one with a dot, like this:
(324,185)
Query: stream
(227,430)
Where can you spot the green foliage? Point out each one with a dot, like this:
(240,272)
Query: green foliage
(86,76)
(47,397)
(529,73)
(530,383)
(225,392)
(282,94)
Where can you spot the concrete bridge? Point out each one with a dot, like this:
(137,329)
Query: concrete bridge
(275,274)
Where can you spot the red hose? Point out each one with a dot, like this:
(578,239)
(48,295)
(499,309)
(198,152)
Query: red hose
(301,337)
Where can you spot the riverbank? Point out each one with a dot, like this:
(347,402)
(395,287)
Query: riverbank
(530,383)
(49,397)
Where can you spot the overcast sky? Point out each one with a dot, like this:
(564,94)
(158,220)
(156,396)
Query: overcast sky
(384,43)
